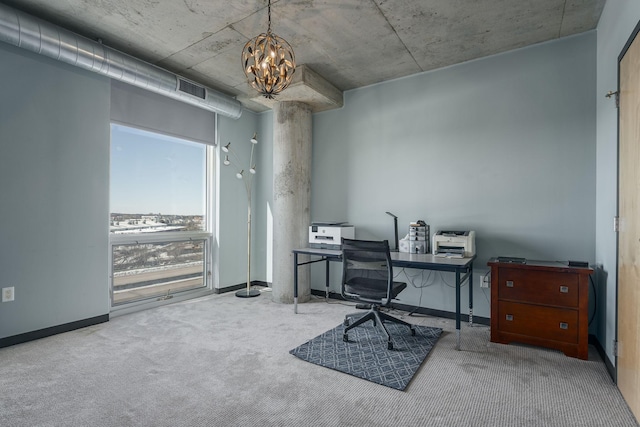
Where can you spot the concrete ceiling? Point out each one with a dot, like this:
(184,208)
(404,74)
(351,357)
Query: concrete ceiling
(349,43)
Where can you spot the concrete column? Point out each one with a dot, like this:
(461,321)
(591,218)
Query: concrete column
(291,196)
(291,208)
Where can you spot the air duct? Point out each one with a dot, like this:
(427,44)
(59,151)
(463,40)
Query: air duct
(30,33)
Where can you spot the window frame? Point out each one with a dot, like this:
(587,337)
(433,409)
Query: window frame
(206,235)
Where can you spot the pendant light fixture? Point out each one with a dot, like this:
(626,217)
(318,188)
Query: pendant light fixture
(268,62)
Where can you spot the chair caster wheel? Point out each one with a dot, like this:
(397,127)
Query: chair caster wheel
(389,345)
(413,332)
(345,337)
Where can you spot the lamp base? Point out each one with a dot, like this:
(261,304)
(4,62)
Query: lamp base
(242,293)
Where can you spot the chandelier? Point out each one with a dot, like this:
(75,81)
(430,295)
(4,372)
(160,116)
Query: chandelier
(268,62)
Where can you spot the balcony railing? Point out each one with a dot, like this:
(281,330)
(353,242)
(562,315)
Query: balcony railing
(157,269)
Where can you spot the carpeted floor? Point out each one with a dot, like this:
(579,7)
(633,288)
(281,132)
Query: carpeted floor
(224,361)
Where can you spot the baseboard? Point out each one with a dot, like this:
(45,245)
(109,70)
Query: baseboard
(67,327)
(237,287)
(53,330)
(418,310)
(603,355)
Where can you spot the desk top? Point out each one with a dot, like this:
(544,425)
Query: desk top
(404,259)
(330,253)
(401,259)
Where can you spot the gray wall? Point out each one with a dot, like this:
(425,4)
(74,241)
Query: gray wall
(231,234)
(54,175)
(54,170)
(504,146)
(617,22)
(232,203)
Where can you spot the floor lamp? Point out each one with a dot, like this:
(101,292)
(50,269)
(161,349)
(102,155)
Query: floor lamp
(247,180)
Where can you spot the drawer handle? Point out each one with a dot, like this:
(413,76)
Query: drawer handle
(564,325)
(509,283)
(564,289)
(509,317)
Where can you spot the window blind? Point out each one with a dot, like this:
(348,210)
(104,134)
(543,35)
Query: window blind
(136,107)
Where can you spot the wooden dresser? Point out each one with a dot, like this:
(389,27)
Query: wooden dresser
(540,303)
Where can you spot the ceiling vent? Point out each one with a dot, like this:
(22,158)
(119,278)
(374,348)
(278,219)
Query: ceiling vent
(192,89)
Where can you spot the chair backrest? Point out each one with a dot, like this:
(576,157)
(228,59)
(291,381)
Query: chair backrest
(367,273)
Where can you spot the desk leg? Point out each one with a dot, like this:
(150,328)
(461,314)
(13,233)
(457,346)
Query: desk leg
(458,309)
(471,295)
(326,279)
(295,283)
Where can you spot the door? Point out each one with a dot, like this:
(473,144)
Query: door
(628,360)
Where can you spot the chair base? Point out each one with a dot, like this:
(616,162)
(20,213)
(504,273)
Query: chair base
(378,318)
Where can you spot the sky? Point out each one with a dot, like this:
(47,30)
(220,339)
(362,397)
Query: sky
(152,173)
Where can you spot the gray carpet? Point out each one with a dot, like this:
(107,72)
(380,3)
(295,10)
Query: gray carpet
(366,356)
(224,361)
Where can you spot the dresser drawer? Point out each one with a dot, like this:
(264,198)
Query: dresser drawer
(542,287)
(548,323)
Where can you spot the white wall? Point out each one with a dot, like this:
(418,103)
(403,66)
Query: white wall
(617,22)
(504,146)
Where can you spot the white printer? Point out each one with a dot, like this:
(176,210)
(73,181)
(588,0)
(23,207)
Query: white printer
(454,243)
(328,235)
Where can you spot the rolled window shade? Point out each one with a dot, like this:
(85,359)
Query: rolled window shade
(139,108)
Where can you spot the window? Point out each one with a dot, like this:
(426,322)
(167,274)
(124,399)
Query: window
(159,232)
(149,270)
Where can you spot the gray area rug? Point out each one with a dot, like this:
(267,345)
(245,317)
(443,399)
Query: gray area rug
(366,355)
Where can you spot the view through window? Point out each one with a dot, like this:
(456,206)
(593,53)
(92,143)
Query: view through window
(158,222)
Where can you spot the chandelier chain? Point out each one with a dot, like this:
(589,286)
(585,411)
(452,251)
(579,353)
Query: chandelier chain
(269,15)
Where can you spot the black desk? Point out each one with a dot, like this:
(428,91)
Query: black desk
(462,267)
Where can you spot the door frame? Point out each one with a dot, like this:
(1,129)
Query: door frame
(623,52)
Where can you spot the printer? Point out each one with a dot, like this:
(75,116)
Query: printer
(457,244)
(328,235)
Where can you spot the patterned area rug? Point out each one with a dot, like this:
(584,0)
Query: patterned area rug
(366,355)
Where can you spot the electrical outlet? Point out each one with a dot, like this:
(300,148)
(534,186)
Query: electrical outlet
(485,280)
(8,294)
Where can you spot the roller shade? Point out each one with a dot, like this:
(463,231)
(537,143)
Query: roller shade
(136,107)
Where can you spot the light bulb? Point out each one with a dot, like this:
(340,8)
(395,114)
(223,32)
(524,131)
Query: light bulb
(253,170)
(254,140)
(227,162)
(239,175)
(225,148)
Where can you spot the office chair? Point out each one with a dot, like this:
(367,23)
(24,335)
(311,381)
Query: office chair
(367,276)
